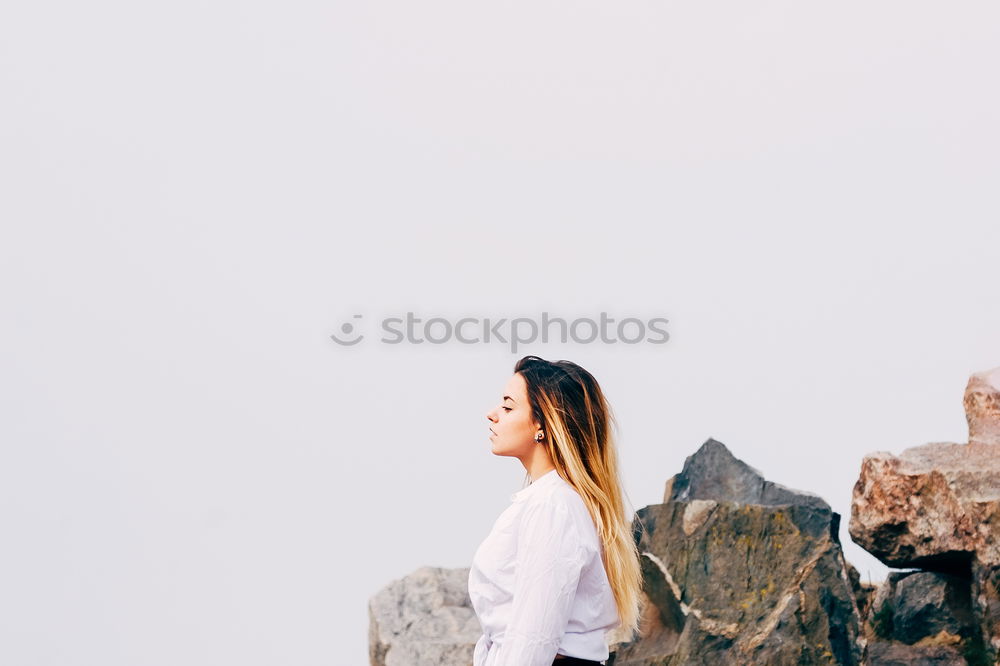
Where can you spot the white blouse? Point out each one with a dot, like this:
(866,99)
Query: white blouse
(537,582)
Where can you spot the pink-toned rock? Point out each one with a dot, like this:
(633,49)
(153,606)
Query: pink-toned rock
(982,406)
(935,506)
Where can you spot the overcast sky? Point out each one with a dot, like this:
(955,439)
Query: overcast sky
(196,195)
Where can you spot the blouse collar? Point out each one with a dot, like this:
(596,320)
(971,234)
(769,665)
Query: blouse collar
(552,476)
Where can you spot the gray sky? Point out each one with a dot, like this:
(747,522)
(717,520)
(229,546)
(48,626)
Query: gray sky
(196,195)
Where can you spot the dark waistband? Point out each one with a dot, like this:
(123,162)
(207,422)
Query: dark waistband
(574,661)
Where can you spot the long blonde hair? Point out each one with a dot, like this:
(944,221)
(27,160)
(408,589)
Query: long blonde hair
(577,421)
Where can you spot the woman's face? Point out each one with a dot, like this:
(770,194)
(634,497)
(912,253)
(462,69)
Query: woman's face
(512,426)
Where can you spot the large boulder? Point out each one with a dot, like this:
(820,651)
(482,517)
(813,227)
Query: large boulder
(927,603)
(424,618)
(741,571)
(913,605)
(924,617)
(714,473)
(936,506)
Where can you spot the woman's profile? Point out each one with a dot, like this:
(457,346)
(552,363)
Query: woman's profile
(559,568)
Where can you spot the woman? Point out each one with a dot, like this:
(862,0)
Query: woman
(560,566)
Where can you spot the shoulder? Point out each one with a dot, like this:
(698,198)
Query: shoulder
(557,515)
(557,501)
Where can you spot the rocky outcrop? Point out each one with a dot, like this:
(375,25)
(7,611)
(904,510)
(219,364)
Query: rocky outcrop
(923,607)
(933,507)
(923,617)
(739,570)
(936,508)
(713,473)
(424,618)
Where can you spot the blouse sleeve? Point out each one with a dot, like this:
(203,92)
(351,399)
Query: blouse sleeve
(550,558)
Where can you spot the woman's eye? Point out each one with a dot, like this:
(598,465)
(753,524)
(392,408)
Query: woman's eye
(507,408)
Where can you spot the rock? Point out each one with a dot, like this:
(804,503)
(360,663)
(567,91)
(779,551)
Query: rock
(424,618)
(663,593)
(924,618)
(982,407)
(935,506)
(759,579)
(882,653)
(986,603)
(928,603)
(713,473)
(662,619)
(916,605)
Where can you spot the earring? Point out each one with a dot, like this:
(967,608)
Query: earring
(538,437)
